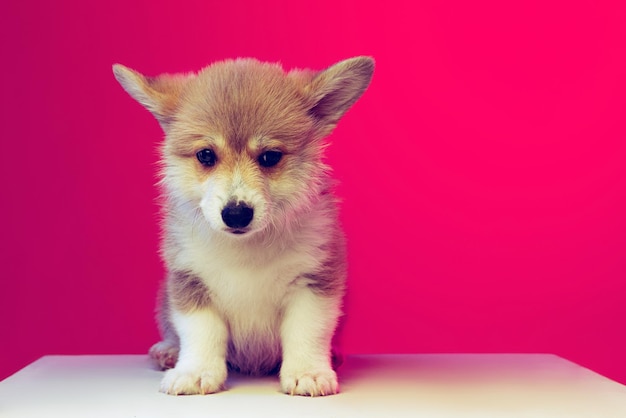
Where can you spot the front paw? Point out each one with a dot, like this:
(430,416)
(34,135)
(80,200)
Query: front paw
(193,382)
(309,383)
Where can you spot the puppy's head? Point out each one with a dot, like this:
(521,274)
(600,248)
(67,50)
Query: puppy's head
(244,139)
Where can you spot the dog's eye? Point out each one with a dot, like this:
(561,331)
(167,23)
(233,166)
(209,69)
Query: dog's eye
(270,158)
(206,157)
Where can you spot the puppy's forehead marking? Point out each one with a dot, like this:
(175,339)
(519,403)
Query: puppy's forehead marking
(218,141)
(257,144)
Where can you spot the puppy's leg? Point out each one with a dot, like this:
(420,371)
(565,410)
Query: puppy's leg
(201,366)
(203,337)
(306,333)
(165,353)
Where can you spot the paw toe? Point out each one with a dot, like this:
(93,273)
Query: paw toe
(177,382)
(311,384)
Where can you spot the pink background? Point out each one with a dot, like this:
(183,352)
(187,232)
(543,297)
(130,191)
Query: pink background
(483,174)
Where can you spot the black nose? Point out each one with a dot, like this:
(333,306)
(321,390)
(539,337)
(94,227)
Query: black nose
(237,215)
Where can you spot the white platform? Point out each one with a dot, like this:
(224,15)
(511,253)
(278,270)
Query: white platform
(432,386)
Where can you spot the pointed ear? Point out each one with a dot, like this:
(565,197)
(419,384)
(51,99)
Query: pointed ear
(160,95)
(333,91)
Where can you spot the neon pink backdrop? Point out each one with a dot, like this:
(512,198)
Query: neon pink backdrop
(483,174)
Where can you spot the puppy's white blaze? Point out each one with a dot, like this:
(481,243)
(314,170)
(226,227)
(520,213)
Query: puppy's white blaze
(204,337)
(242,192)
(237,184)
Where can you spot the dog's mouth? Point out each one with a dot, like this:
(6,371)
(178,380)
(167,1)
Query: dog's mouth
(237,231)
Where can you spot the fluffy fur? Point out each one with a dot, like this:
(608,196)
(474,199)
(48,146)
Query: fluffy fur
(264,293)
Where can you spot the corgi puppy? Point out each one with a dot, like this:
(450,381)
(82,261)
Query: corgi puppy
(255,257)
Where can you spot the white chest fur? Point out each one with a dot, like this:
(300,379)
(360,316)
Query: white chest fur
(250,283)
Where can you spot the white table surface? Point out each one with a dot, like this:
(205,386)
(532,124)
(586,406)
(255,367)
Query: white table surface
(424,385)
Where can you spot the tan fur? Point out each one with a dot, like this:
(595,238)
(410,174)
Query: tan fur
(187,292)
(272,291)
